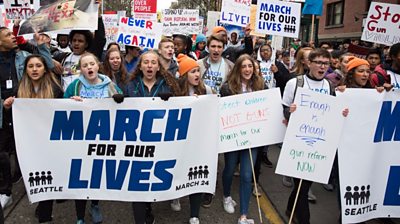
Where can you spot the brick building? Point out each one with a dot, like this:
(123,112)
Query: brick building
(342,19)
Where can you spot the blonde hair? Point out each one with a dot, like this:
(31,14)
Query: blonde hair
(298,67)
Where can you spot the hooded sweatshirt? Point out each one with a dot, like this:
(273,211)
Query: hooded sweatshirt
(81,87)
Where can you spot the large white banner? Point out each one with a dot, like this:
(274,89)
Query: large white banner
(143,149)
(139,32)
(235,12)
(312,137)
(280,18)
(250,120)
(369,156)
(382,25)
(180,21)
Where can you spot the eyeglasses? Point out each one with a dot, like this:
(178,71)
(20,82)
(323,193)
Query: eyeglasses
(265,50)
(320,63)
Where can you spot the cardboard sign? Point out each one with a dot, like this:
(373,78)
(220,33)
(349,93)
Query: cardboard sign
(312,137)
(141,150)
(250,120)
(235,12)
(278,18)
(180,21)
(382,25)
(139,32)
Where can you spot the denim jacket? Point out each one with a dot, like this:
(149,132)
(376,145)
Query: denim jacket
(20,57)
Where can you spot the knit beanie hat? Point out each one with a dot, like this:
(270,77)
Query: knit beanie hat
(355,62)
(217,29)
(200,38)
(186,64)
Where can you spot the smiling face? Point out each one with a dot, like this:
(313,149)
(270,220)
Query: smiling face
(318,66)
(194,76)
(361,75)
(35,69)
(246,70)
(89,68)
(115,61)
(149,66)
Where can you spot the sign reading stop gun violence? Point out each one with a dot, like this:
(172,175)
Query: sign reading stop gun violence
(250,120)
(278,18)
(180,21)
(383,24)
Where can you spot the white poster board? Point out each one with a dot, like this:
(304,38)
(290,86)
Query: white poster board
(20,9)
(180,21)
(144,149)
(369,161)
(382,24)
(312,137)
(250,120)
(280,18)
(235,12)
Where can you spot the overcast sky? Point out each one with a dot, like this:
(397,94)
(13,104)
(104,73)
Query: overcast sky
(163,4)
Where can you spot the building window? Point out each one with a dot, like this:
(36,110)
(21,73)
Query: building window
(335,12)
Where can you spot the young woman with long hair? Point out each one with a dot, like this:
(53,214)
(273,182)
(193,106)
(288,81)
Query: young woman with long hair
(38,82)
(242,79)
(115,69)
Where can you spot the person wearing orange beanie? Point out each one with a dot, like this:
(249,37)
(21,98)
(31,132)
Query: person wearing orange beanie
(358,73)
(355,62)
(185,64)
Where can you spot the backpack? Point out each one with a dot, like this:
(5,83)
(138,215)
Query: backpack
(300,83)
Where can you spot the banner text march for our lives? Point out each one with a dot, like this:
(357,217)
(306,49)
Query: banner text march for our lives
(278,18)
(139,32)
(369,161)
(250,120)
(235,12)
(141,150)
(312,137)
(382,24)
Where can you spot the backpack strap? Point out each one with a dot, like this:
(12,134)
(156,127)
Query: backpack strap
(299,83)
(77,89)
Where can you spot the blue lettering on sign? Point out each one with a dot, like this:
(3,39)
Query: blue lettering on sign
(140,172)
(392,194)
(388,128)
(232,17)
(126,124)
(275,8)
(135,40)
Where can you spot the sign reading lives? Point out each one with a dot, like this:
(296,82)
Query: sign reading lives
(141,150)
(235,12)
(312,137)
(369,161)
(250,120)
(180,21)
(382,25)
(139,32)
(278,18)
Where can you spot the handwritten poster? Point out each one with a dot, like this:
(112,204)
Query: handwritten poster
(382,25)
(235,12)
(111,28)
(20,9)
(139,32)
(312,137)
(144,9)
(250,120)
(180,21)
(278,18)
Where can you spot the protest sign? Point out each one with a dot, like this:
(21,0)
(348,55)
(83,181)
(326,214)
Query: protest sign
(212,21)
(312,137)
(180,21)
(250,120)
(368,155)
(20,9)
(139,32)
(144,9)
(111,28)
(235,12)
(62,15)
(358,51)
(143,149)
(253,15)
(382,25)
(278,18)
